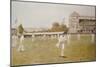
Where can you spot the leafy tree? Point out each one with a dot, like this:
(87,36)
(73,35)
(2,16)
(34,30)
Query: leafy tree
(20,29)
(64,28)
(56,27)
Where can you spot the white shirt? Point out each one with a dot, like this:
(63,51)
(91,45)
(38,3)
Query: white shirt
(62,38)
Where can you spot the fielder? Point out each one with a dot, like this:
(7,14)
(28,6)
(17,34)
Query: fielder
(14,40)
(33,37)
(21,46)
(61,44)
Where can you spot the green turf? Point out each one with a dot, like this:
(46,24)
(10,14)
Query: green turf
(43,51)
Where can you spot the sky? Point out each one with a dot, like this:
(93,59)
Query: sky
(42,15)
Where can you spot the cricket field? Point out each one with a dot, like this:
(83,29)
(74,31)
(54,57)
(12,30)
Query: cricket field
(44,51)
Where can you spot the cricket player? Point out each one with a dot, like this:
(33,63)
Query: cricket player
(14,38)
(61,44)
(21,46)
(33,37)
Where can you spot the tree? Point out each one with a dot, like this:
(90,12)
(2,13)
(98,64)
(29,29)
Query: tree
(56,27)
(64,28)
(20,29)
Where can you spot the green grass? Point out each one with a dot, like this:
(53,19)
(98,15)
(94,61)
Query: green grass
(43,51)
